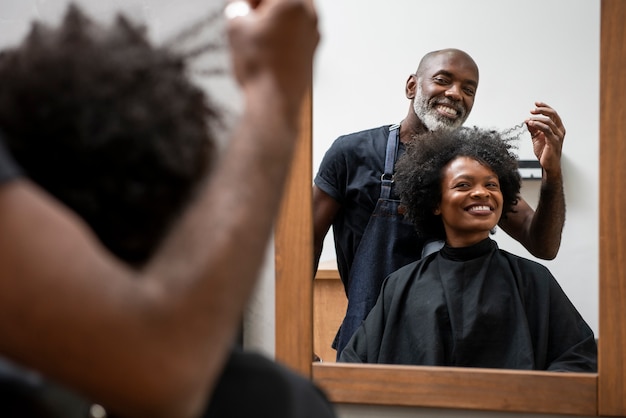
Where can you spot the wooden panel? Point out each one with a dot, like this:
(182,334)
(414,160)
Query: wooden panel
(612,366)
(294,260)
(446,387)
(329,308)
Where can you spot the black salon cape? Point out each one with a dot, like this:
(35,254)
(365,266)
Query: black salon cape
(477,306)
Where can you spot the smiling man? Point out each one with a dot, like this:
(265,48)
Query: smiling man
(470,304)
(434,111)
(354,193)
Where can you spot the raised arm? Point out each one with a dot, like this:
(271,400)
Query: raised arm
(539,230)
(152,343)
(324,210)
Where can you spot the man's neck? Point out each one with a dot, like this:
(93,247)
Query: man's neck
(411,127)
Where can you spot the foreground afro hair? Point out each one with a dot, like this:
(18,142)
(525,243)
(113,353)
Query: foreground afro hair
(108,124)
(419,172)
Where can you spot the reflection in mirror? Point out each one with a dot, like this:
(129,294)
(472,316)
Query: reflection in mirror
(470,304)
(359,82)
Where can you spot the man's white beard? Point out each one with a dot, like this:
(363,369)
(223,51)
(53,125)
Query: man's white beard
(431,119)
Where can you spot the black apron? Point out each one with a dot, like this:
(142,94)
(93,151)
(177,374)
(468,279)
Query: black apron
(388,243)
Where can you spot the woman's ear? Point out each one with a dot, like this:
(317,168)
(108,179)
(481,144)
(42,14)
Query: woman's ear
(437,211)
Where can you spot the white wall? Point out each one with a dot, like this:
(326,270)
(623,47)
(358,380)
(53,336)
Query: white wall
(365,411)
(527,50)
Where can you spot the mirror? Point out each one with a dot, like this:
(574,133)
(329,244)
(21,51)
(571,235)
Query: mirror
(360,77)
(496,390)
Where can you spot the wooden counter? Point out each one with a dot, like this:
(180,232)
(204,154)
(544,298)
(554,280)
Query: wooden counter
(329,308)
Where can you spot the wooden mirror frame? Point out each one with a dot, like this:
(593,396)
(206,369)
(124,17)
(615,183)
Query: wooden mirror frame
(467,388)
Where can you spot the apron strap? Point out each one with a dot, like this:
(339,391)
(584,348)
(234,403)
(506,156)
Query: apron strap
(390,160)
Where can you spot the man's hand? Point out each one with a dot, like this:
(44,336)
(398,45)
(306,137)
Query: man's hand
(547,133)
(273,41)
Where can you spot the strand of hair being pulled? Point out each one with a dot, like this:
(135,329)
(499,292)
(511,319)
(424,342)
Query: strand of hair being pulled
(515,132)
(185,43)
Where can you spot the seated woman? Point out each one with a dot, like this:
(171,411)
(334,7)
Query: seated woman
(470,304)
